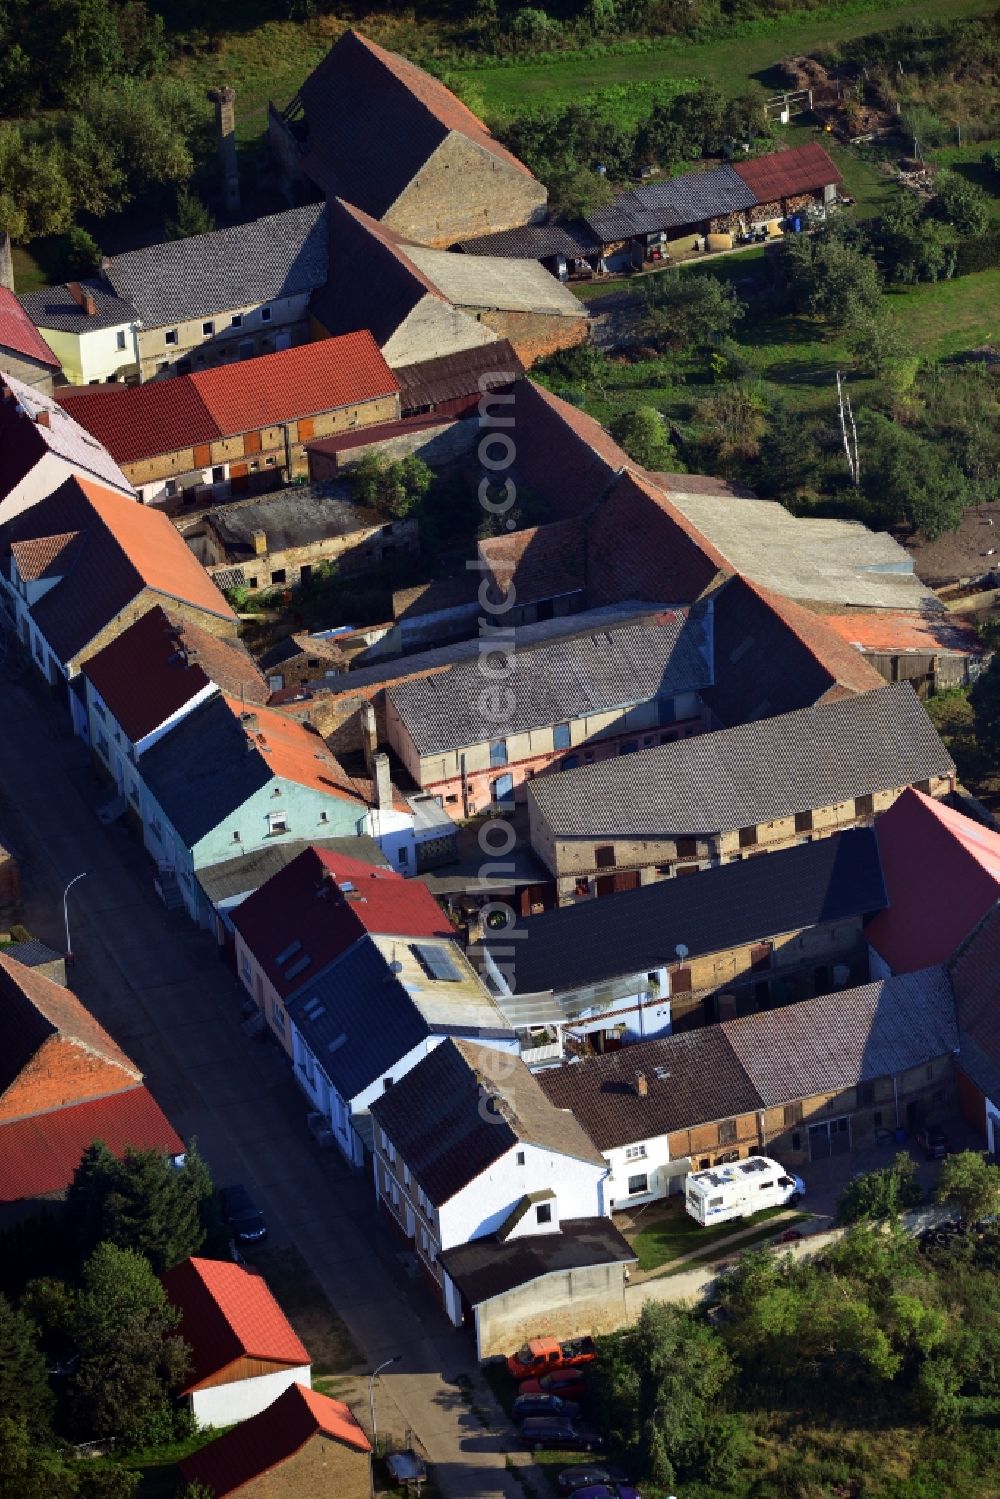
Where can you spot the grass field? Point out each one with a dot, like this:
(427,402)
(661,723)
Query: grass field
(674,1232)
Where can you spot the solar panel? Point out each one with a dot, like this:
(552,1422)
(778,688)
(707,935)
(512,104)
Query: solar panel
(288,952)
(436,962)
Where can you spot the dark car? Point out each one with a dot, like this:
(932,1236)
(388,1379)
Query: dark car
(609,1491)
(586,1475)
(571,1384)
(559,1432)
(933,1142)
(544,1405)
(242,1215)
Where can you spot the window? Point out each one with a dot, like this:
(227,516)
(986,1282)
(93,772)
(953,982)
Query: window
(803,822)
(162,366)
(237,320)
(219,473)
(628,747)
(864,806)
(877,1118)
(793,1114)
(246,348)
(561,736)
(498,752)
(727,1132)
(403,855)
(265,314)
(638,1184)
(687,848)
(207,329)
(866,1095)
(635,1153)
(278,576)
(543,1212)
(120,338)
(236,836)
(277,822)
(796,1141)
(520,1157)
(748,837)
(170,337)
(604,857)
(170,488)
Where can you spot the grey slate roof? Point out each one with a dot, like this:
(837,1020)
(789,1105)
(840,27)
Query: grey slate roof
(292,517)
(254,868)
(462,1108)
(736,778)
(728,906)
(282,255)
(536,242)
(827,1044)
(679,201)
(33,954)
(203,770)
(485,1268)
(557,681)
(56,307)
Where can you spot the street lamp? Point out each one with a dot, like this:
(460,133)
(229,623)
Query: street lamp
(396,1359)
(73,881)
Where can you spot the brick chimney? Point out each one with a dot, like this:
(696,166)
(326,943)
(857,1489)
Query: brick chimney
(641,1085)
(259,543)
(6,262)
(42,418)
(369,736)
(82,297)
(383,784)
(224,100)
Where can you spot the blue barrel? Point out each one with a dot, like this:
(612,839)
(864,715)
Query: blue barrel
(900,1136)
(797,225)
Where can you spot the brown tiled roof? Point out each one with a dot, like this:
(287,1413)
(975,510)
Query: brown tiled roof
(563,454)
(640,546)
(463,1107)
(974,979)
(782,174)
(44,556)
(541,562)
(373,283)
(451,377)
(373,121)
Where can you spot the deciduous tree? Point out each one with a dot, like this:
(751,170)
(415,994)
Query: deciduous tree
(968,1181)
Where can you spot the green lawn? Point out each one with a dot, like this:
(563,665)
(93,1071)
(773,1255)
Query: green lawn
(947,317)
(968,162)
(674,1232)
(564,78)
(759,1236)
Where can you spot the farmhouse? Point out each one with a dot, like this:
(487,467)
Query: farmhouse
(24,353)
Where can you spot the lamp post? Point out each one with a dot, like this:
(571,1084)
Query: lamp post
(396,1358)
(73,881)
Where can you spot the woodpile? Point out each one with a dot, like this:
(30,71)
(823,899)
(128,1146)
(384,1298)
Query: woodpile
(728,223)
(800,202)
(765,212)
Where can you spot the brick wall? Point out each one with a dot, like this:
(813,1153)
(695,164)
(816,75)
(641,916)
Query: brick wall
(536,334)
(464,191)
(61,1073)
(39,376)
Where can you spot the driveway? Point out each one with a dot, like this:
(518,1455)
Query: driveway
(158,986)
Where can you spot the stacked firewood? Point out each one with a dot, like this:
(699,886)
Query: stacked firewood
(763,213)
(728,223)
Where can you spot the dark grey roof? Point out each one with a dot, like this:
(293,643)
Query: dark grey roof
(462,1108)
(729,906)
(557,681)
(736,778)
(56,307)
(487,1268)
(292,517)
(976,1063)
(831,1043)
(282,255)
(33,954)
(254,868)
(203,770)
(536,242)
(688,199)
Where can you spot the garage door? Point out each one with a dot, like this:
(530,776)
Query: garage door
(832,1137)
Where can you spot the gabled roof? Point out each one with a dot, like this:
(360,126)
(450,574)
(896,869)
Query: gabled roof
(57,308)
(773,656)
(782,174)
(373,282)
(281,255)
(212,762)
(80,1061)
(640,546)
(32,424)
(373,120)
(731,905)
(757,772)
(163,416)
(942,873)
(39,1154)
(462,1108)
(256,1447)
(320,904)
(45,556)
(251,869)
(228,1313)
(158,665)
(558,680)
(122,549)
(974,980)
(563,454)
(19,334)
(817,1046)
(452,377)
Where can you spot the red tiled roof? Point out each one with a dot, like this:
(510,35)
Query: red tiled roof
(18,332)
(562,452)
(227,1313)
(297,753)
(309,902)
(158,665)
(366,437)
(541,562)
(141,421)
(44,555)
(256,1446)
(38,1156)
(942,875)
(896,632)
(782,174)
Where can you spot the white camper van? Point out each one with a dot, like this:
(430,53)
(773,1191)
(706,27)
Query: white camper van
(740,1189)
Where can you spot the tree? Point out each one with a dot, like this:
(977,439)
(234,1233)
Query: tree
(81,257)
(959,202)
(24,1385)
(907,479)
(881,1194)
(971,1184)
(733,420)
(29,1470)
(789,457)
(875,339)
(36,197)
(576,191)
(984,699)
(642,432)
(190,217)
(689,309)
(397,487)
(132,1361)
(829,275)
(141,1202)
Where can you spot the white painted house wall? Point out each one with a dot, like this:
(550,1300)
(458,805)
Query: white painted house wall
(481,1207)
(225,1404)
(94,356)
(394,833)
(41,480)
(649,1158)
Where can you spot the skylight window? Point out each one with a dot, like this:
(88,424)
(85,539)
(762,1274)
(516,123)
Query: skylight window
(288,952)
(436,962)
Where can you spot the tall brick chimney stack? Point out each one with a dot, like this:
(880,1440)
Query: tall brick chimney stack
(6,262)
(224,100)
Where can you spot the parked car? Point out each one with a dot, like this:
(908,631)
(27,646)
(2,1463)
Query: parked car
(559,1432)
(242,1215)
(933,1142)
(571,1384)
(542,1355)
(609,1491)
(586,1475)
(544,1405)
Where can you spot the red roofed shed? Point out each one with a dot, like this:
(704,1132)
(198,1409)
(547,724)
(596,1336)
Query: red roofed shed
(786,174)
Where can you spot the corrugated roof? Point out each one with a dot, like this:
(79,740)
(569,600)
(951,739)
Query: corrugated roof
(462,1108)
(452,376)
(256,1447)
(485,1268)
(783,174)
(228,1313)
(142,421)
(19,334)
(731,905)
(757,772)
(536,242)
(56,307)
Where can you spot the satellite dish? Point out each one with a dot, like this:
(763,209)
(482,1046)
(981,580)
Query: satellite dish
(395,966)
(681,950)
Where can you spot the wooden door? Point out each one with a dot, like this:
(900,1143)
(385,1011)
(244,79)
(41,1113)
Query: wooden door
(251,442)
(203,456)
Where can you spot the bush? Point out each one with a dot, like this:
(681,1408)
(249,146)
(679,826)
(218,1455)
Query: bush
(880,1194)
(81,256)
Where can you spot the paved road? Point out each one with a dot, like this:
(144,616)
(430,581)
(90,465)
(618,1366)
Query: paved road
(158,986)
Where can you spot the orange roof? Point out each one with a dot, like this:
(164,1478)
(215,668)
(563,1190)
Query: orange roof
(925,633)
(257,1446)
(228,1313)
(296,752)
